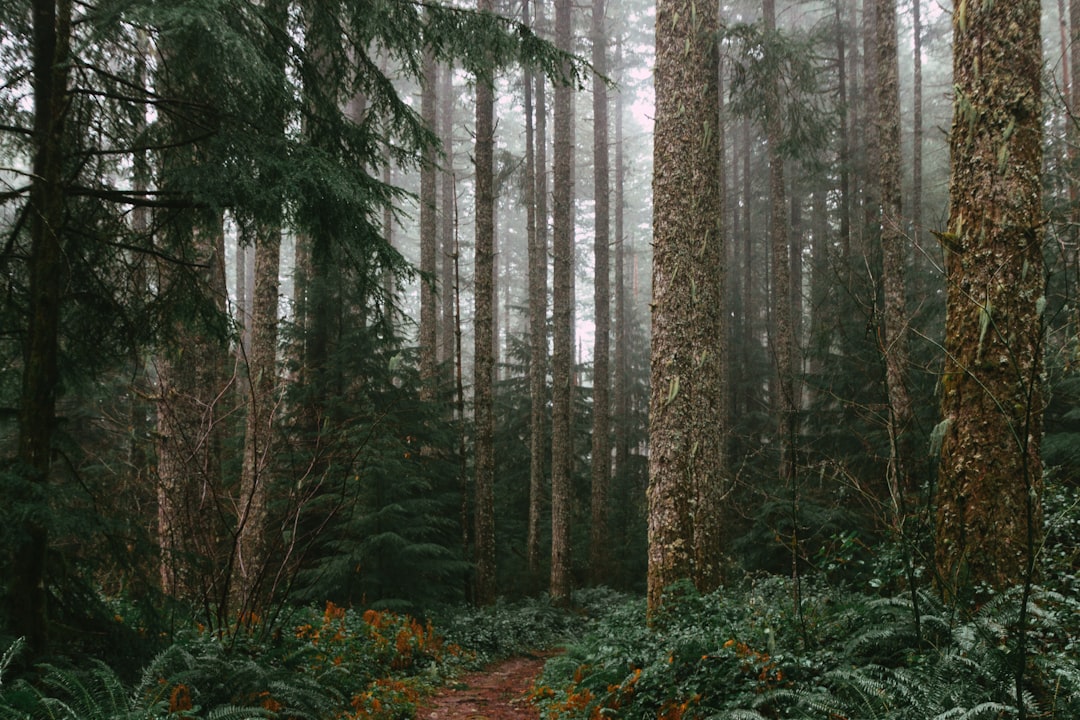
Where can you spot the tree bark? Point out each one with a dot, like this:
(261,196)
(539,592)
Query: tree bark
(782,339)
(37,402)
(894,339)
(483,407)
(563,317)
(535,187)
(448,220)
(601,442)
(620,394)
(429,310)
(687,475)
(990,477)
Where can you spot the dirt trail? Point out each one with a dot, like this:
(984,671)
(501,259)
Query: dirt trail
(498,692)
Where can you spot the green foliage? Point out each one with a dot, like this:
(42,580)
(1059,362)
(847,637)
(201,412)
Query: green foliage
(331,663)
(521,626)
(748,654)
(792,63)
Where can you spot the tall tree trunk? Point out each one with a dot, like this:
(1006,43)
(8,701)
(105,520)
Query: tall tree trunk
(263,398)
(601,442)
(894,342)
(916,126)
(37,402)
(990,478)
(782,340)
(483,408)
(687,472)
(621,396)
(537,224)
(750,311)
(429,310)
(263,391)
(448,221)
(844,210)
(191,384)
(563,317)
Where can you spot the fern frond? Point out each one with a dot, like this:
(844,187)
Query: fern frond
(993,710)
(9,656)
(236,712)
(738,714)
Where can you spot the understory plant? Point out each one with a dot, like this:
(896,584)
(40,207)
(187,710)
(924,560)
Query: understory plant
(751,653)
(333,663)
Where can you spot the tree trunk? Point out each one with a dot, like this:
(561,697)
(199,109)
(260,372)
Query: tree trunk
(448,220)
(601,442)
(263,391)
(621,399)
(483,407)
(45,266)
(535,187)
(917,127)
(563,318)
(990,478)
(894,341)
(687,473)
(429,310)
(782,340)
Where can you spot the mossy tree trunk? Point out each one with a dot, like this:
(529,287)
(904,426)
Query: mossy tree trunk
(687,476)
(989,486)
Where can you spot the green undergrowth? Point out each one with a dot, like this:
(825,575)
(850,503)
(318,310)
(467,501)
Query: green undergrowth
(750,654)
(328,662)
(523,626)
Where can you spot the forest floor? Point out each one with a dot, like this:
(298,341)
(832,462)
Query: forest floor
(498,692)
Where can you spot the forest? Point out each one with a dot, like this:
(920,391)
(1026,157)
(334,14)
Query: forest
(723,359)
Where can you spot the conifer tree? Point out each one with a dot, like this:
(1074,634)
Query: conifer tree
(687,476)
(990,477)
(562,358)
(601,442)
(483,376)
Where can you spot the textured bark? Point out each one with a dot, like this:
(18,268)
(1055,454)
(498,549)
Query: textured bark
(844,200)
(894,337)
(749,301)
(535,187)
(601,441)
(447,220)
(263,394)
(782,337)
(429,229)
(483,368)
(916,126)
(191,387)
(263,398)
(45,266)
(869,247)
(562,317)
(687,475)
(621,380)
(989,487)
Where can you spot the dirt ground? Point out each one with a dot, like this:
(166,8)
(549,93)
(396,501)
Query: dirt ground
(498,692)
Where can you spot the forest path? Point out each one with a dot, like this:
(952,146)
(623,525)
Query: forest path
(498,692)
